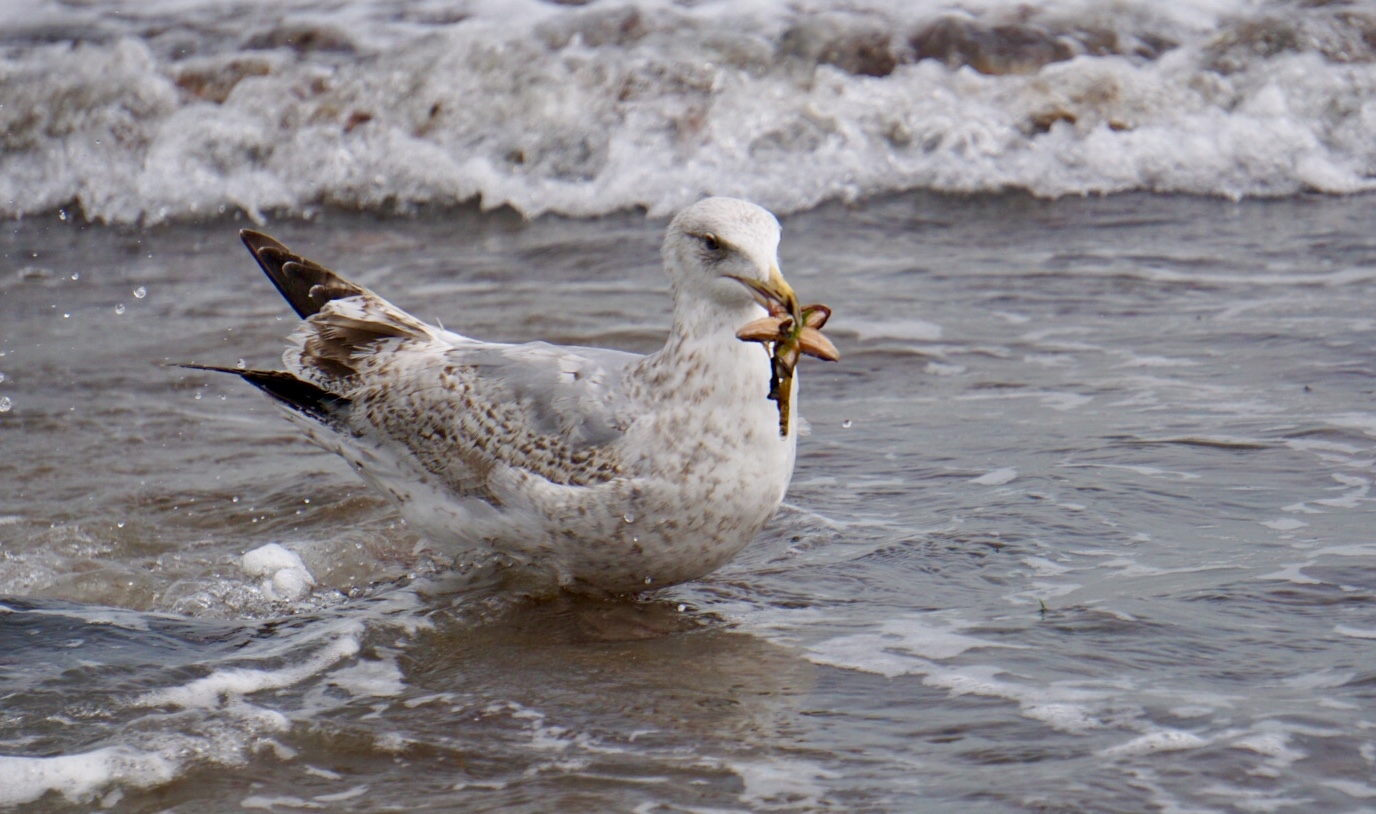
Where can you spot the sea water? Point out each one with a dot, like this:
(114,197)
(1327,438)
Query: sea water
(1083,521)
(137,112)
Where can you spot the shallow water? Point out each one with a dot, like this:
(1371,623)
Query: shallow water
(1083,524)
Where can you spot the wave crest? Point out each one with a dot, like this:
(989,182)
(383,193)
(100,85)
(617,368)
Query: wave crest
(591,109)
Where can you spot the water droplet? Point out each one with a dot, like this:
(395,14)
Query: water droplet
(682,608)
(198,395)
(119,525)
(76,275)
(846,424)
(628,517)
(2,377)
(648,580)
(635,538)
(119,309)
(234,499)
(61,214)
(241,364)
(5,404)
(140,293)
(306,500)
(67,316)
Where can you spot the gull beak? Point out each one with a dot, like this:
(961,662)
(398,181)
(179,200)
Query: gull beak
(775,294)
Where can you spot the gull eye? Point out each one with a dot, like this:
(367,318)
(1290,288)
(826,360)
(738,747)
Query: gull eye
(710,241)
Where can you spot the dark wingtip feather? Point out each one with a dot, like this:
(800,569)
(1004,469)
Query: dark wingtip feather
(299,395)
(306,285)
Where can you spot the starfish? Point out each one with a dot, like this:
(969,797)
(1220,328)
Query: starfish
(788,332)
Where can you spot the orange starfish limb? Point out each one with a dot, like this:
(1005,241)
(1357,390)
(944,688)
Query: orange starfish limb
(786,340)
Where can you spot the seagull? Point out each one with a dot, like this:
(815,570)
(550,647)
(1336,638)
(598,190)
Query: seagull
(594,470)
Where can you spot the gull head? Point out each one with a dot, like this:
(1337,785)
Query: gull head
(723,253)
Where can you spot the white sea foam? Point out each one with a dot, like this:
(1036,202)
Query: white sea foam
(996,477)
(1164,740)
(907,330)
(1293,572)
(796,783)
(1359,550)
(1352,788)
(1273,745)
(231,725)
(1146,471)
(274,802)
(114,617)
(1284,524)
(651,103)
(234,727)
(341,796)
(229,684)
(283,574)
(79,776)
(900,646)
(913,646)
(1357,494)
(380,678)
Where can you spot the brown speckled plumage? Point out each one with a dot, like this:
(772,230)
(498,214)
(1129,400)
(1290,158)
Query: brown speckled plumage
(602,470)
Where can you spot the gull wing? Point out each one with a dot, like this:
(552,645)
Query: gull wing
(459,410)
(450,406)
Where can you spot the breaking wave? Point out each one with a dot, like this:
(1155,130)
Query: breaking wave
(184,109)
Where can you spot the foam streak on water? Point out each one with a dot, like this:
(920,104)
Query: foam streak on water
(180,108)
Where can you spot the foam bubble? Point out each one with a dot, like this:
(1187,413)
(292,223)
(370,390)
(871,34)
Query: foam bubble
(284,575)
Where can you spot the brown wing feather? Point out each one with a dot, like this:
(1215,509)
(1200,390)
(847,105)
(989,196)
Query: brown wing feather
(306,285)
(332,337)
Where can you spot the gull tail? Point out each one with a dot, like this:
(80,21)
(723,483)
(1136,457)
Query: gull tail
(333,336)
(299,395)
(343,323)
